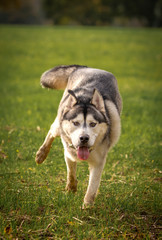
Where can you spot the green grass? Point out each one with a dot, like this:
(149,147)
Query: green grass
(33,202)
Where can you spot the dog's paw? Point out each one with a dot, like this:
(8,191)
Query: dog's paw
(71,187)
(88,201)
(87,205)
(41,155)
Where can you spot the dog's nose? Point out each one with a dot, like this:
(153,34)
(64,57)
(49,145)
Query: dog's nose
(84,139)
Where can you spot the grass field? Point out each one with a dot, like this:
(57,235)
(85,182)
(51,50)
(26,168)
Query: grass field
(33,202)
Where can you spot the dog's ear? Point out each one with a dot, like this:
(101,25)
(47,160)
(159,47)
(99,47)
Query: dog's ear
(72,100)
(97,101)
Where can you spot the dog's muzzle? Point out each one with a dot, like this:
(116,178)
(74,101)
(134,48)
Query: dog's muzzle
(83,149)
(84,139)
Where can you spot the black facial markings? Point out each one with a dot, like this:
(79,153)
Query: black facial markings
(70,115)
(85,114)
(85,109)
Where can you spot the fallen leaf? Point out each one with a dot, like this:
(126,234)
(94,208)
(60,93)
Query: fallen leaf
(38,128)
(3,155)
(8,230)
(19,155)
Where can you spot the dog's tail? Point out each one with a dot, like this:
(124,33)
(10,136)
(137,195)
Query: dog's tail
(57,77)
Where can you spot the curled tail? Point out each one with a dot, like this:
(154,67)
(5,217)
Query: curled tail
(57,77)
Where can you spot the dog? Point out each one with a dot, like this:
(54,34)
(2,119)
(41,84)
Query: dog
(88,121)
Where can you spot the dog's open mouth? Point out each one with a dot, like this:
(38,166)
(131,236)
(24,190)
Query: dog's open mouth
(83,153)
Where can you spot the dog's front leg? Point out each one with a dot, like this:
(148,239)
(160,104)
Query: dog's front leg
(45,148)
(71,175)
(94,182)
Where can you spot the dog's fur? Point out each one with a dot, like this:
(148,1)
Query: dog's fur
(88,121)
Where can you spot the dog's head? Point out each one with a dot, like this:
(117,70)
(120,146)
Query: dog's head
(85,124)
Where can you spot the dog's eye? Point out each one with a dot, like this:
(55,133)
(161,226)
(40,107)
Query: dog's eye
(92,124)
(76,124)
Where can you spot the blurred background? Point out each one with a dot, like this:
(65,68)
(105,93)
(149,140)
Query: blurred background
(130,13)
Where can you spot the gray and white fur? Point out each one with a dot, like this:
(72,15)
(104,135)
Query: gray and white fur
(88,121)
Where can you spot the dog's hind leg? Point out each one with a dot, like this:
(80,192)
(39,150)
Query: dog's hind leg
(46,146)
(71,175)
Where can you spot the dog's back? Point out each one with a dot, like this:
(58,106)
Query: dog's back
(83,80)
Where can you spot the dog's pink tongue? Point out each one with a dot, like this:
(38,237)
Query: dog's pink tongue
(83,153)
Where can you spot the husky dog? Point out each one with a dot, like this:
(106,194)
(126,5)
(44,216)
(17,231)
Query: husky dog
(88,121)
